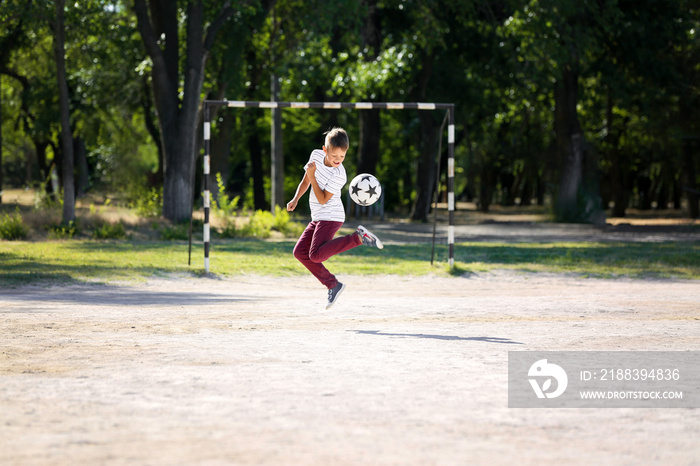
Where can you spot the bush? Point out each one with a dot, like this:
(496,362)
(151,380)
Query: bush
(259,225)
(109,231)
(100,209)
(44,200)
(62,231)
(229,230)
(283,223)
(226,208)
(175,232)
(147,202)
(224,205)
(12,227)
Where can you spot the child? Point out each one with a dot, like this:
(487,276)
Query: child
(326,176)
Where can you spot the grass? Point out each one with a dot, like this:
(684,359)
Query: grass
(589,259)
(66,261)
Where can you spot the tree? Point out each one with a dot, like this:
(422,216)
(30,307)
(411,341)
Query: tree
(429,126)
(687,53)
(561,39)
(446,39)
(9,41)
(578,27)
(635,92)
(178,108)
(17,18)
(66,133)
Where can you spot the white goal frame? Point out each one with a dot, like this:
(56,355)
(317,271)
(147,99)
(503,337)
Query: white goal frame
(208,104)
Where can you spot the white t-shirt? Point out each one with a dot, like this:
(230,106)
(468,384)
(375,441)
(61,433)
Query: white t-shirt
(332,180)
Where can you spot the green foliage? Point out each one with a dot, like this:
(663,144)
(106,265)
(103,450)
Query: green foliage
(223,205)
(95,209)
(259,225)
(46,201)
(12,227)
(147,202)
(176,232)
(283,223)
(226,208)
(229,230)
(109,231)
(381,76)
(63,231)
(499,62)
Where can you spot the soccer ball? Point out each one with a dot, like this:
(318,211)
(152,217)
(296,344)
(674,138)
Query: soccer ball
(365,189)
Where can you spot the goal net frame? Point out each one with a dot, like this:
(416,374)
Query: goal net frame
(209,104)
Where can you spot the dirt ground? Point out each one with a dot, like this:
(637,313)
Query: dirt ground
(253,370)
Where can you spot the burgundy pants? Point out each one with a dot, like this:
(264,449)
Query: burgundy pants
(316,245)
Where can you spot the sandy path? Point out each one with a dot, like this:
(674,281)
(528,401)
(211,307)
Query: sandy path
(400,371)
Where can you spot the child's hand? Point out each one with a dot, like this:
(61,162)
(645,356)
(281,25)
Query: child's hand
(310,168)
(291,205)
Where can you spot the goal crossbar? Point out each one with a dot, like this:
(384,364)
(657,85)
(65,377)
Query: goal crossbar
(330,105)
(208,104)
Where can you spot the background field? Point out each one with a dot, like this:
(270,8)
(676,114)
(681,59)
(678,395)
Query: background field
(640,246)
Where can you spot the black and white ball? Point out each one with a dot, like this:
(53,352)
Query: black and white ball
(365,189)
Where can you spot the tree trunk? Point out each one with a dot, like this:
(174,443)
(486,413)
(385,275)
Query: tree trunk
(578,198)
(644,190)
(677,194)
(486,186)
(425,182)
(1,139)
(152,128)
(177,118)
(662,196)
(526,192)
(276,150)
(44,169)
(255,151)
(66,136)
(425,179)
(689,185)
(569,140)
(83,181)
(689,146)
(221,149)
(617,178)
(509,183)
(540,190)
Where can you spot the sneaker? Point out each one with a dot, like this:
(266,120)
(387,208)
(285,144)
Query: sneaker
(333,294)
(369,239)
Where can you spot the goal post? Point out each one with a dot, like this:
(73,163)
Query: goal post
(208,104)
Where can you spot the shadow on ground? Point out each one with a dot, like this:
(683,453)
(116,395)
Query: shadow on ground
(506,341)
(110,295)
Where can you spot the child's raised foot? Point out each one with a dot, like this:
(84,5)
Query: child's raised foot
(369,239)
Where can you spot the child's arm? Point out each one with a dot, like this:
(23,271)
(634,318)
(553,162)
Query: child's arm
(301,189)
(323,196)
